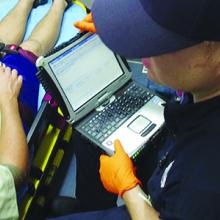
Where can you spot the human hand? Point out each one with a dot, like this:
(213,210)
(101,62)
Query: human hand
(10,85)
(117,172)
(86,24)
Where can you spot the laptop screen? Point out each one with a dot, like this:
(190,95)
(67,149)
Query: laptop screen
(85,70)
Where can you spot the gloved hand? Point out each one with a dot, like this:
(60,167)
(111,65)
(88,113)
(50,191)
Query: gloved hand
(86,24)
(117,172)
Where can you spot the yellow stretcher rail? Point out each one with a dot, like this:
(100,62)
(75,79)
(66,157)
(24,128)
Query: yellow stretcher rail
(41,162)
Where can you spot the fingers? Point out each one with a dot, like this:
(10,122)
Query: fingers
(10,85)
(88,18)
(119,150)
(12,73)
(19,82)
(118,147)
(85,26)
(78,24)
(103,158)
(2,67)
(103,161)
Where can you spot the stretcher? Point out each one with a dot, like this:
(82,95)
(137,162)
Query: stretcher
(48,141)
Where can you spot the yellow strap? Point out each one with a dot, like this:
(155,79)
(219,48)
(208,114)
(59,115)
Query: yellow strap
(80,4)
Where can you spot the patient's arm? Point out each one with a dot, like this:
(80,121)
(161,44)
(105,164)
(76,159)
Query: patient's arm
(13,145)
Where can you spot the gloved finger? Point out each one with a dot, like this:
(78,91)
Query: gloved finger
(85,26)
(88,18)
(103,158)
(80,25)
(102,169)
(118,147)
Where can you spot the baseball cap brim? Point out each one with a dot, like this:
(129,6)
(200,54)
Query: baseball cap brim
(126,28)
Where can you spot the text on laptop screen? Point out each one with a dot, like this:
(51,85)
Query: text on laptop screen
(85,69)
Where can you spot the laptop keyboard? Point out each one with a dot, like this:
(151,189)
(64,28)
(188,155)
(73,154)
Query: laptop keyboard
(105,122)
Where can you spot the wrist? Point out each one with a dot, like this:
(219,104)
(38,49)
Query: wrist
(9,105)
(131,193)
(131,184)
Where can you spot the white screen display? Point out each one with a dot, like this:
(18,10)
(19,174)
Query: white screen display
(85,70)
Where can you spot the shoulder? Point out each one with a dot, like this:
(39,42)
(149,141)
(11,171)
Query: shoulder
(6,175)
(8,201)
(16,174)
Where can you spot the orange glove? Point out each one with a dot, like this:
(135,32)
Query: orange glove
(117,172)
(86,24)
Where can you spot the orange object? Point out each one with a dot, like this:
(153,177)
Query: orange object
(117,172)
(86,24)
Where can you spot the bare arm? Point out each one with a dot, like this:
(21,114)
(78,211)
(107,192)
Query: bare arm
(13,145)
(138,208)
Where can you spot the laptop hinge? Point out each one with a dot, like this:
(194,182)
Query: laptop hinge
(106,99)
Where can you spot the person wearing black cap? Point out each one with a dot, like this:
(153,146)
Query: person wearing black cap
(179,42)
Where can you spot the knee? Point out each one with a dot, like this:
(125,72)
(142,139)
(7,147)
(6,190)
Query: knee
(33,46)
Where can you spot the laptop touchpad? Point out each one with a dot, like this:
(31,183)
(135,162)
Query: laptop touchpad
(139,124)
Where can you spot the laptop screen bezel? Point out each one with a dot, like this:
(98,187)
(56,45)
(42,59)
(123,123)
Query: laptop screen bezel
(92,103)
